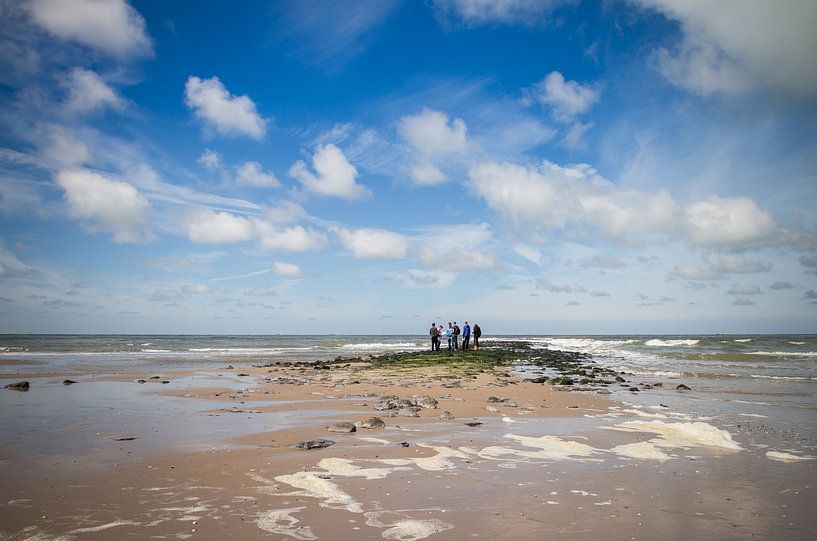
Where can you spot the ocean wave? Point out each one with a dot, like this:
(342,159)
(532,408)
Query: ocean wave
(785,353)
(660,373)
(655,342)
(12,349)
(742,340)
(375,346)
(797,343)
(154,351)
(250,351)
(787,378)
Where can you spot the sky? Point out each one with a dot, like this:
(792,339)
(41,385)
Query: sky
(537,166)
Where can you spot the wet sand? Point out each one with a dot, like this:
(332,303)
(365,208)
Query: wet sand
(210,455)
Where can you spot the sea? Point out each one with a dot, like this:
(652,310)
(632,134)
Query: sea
(759,382)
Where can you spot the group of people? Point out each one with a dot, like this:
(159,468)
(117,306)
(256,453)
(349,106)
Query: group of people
(452,333)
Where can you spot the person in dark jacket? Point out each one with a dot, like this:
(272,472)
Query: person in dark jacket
(435,337)
(466,335)
(455,336)
(477,334)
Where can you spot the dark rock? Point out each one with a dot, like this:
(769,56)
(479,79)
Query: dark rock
(619,379)
(314,444)
(125,438)
(409,411)
(682,387)
(446,416)
(242,374)
(633,389)
(494,400)
(372,422)
(155,377)
(165,382)
(663,405)
(658,384)
(141,381)
(342,427)
(404,444)
(424,401)
(473,423)
(19,386)
(540,379)
(229,367)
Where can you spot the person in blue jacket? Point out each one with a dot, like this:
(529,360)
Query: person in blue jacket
(466,335)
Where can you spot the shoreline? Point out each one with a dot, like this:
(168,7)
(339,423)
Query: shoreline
(212,456)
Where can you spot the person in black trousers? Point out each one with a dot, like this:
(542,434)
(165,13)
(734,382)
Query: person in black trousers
(477,333)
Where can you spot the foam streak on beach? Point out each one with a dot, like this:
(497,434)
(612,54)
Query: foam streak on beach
(195,437)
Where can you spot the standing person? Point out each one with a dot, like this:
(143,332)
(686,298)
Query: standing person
(449,332)
(455,333)
(435,337)
(466,335)
(439,335)
(477,334)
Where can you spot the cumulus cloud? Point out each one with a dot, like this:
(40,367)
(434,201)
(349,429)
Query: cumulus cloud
(744,289)
(250,173)
(741,301)
(733,47)
(566,99)
(431,134)
(577,197)
(63,149)
(373,243)
(294,238)
(808,261)
(735,263)
(227,114)
(693,273)
(479,12)
(88,92)
(543,283)
(112,27)
(196,289)
(210,159)
(108,205)
(205,226)
(286,270)
(461,247)
(417,278)
(334,175)
(781,285)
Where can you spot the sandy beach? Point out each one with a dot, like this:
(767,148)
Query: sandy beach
(212,455)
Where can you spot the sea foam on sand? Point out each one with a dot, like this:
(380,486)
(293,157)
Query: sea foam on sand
(281,521)
(695,434)
(786,457)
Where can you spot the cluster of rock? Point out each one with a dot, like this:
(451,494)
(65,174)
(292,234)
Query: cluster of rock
(405,407)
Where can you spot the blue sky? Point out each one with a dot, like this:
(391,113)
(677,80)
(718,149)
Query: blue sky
(628,166)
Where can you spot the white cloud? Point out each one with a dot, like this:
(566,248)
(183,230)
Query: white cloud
(431,132)
(111,26)
(431,135)
(781,285)
(740,301)
(286,270)
(459,258)
(693,273)
(289,239)
(284,212)
(261,292)
(544,283)
(88,92)
(577,197)
(227,114)
(210,159)
(64,149)
(736,263)
(196,289)
(427,174)
(477,12)
(608,262)
(530,253)
(735,221)
(250,173)
(373,243)
(574,136)
(204,226)
(335,175)
(462,247)
(735,46)
(110,205)
(744,289)
(567,99)
(10,266)
(417,278)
